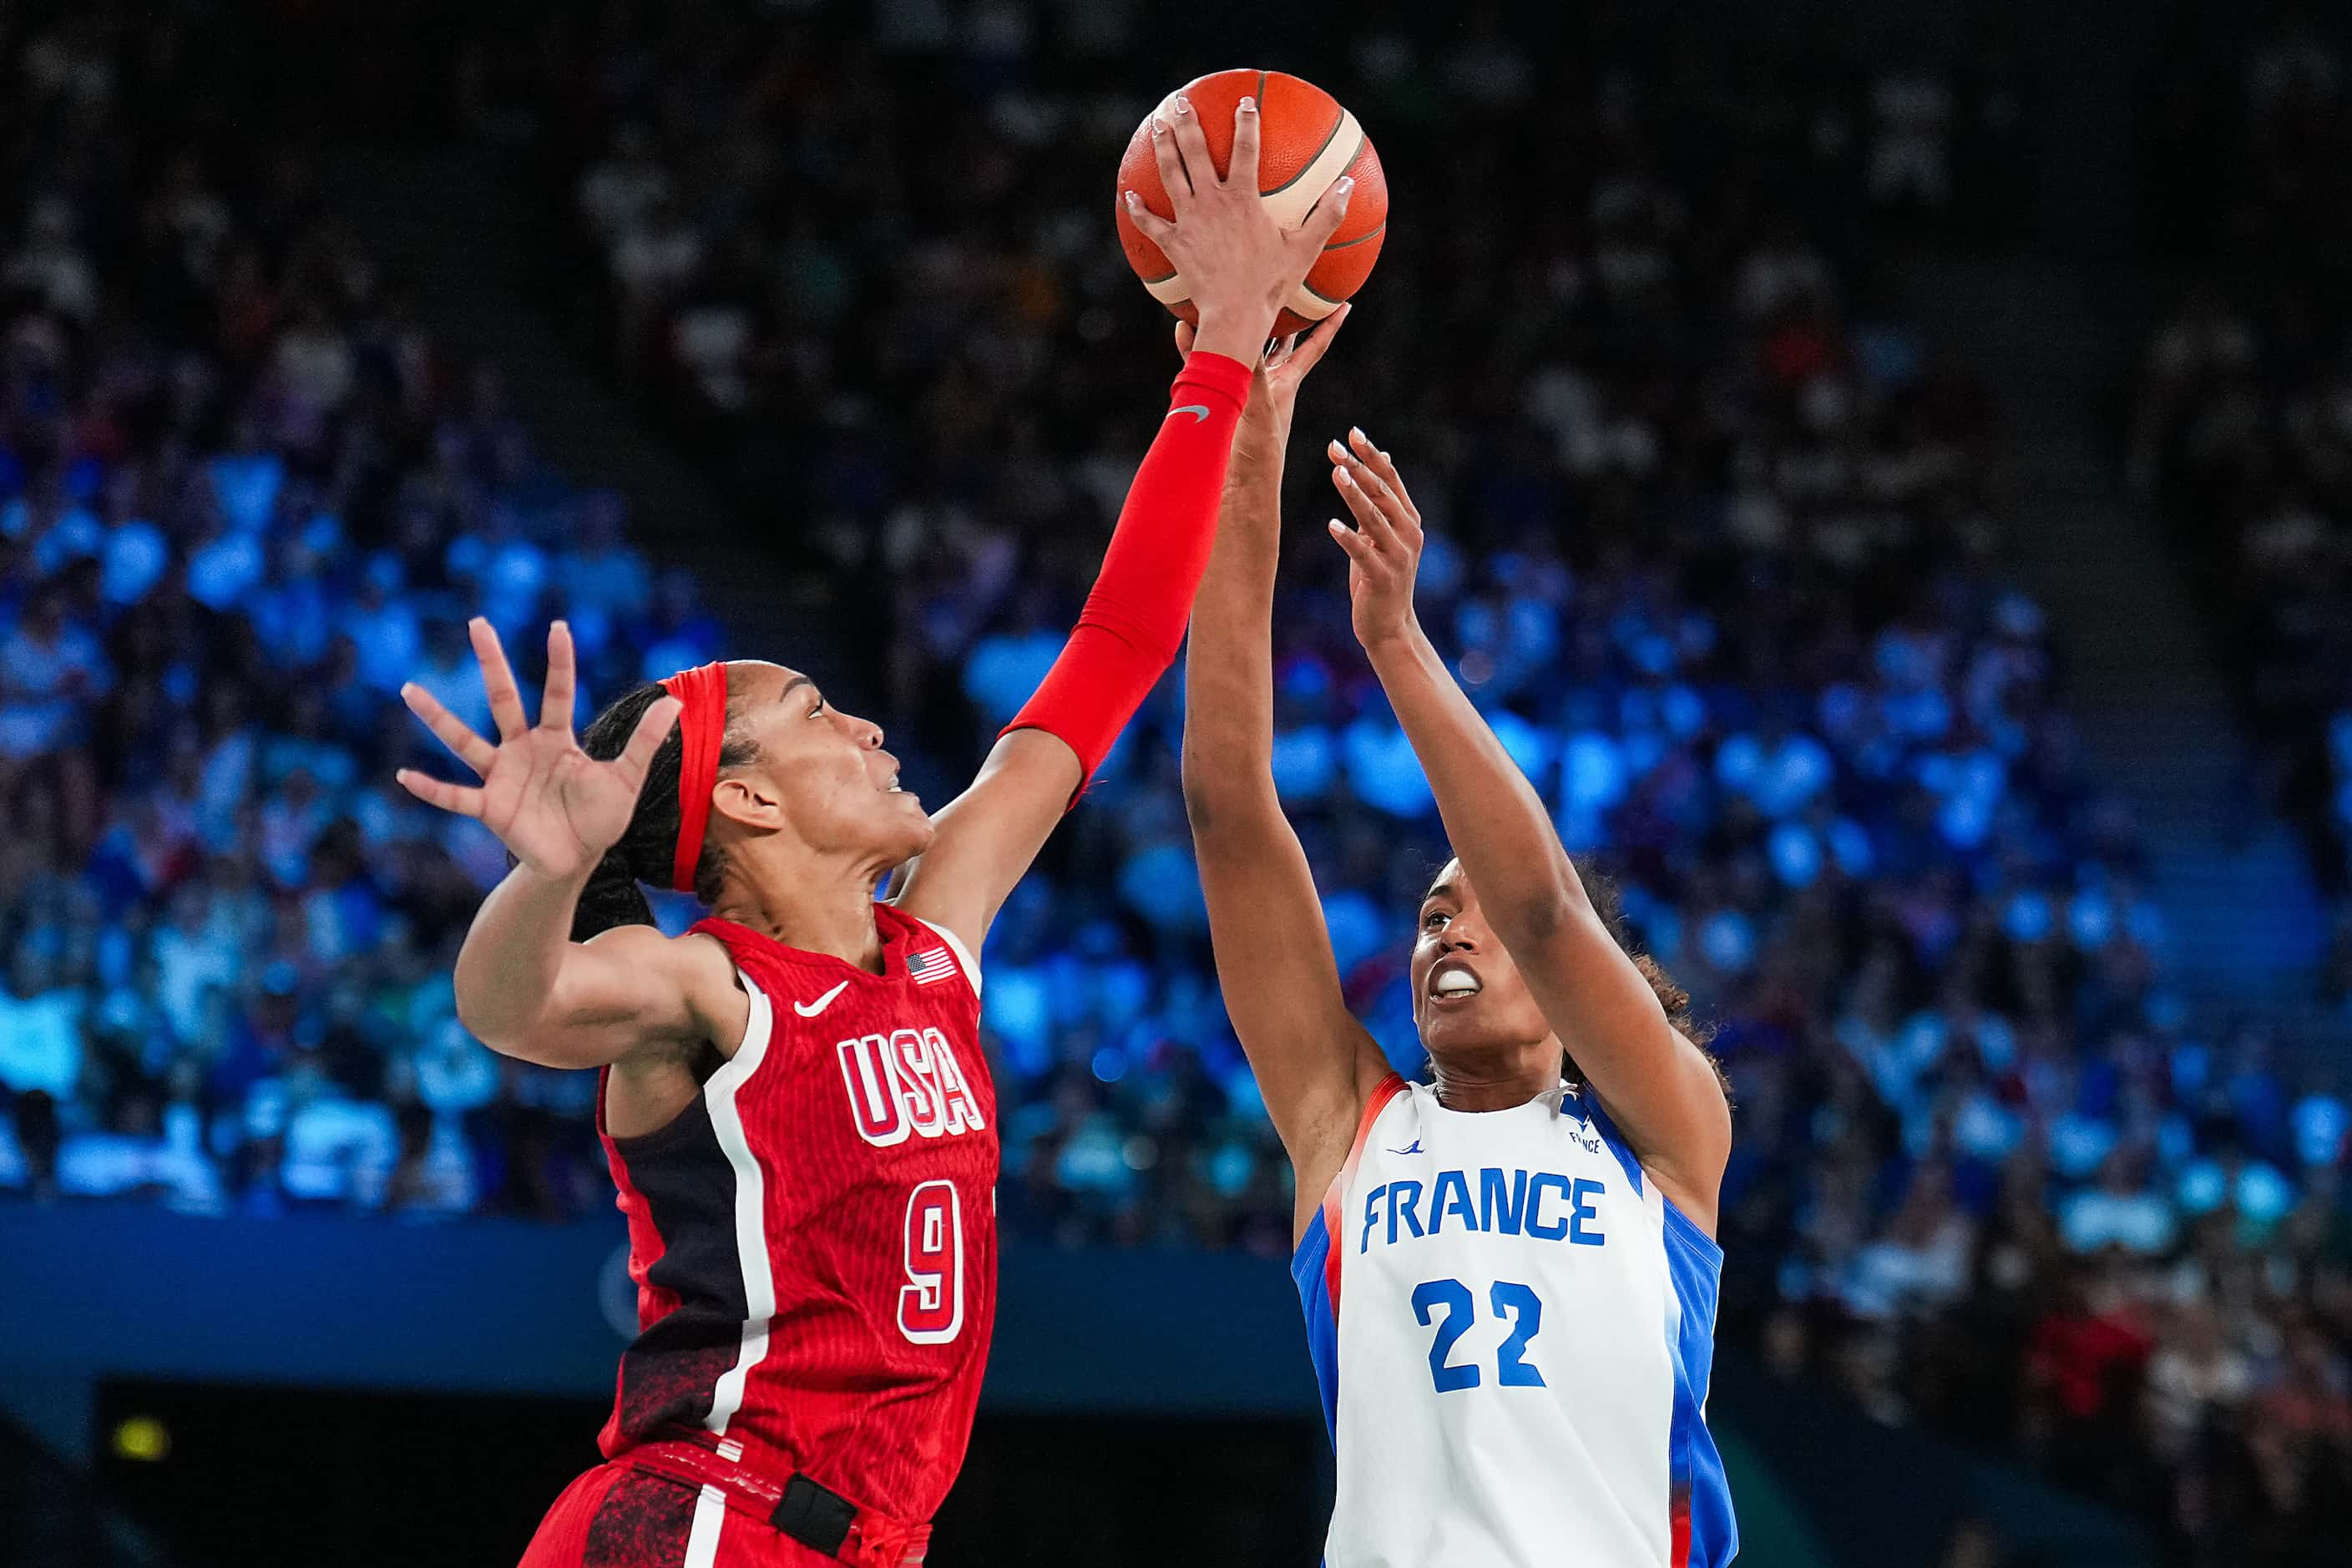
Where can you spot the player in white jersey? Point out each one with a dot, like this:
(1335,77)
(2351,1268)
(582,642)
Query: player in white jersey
(1523,1247)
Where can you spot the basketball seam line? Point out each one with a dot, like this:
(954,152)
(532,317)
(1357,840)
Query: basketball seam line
(1335,245)
(1328,137)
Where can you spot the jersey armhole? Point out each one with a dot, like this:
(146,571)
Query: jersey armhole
(758,1024)
(964,959)
(1672,1220)
(1378,1101)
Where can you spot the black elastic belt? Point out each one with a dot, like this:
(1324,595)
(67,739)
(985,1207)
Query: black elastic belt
(814,1515)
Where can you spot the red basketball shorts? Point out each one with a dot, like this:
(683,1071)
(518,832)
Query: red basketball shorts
(627,1514)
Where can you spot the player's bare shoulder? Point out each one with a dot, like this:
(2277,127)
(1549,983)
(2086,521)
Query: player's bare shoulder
(696,968)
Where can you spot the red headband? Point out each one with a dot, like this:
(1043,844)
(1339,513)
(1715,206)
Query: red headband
(701,726)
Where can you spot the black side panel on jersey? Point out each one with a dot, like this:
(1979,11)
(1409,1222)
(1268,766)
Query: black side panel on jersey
(669,1371)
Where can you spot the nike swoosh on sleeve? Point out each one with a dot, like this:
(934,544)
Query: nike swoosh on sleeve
(1199,411)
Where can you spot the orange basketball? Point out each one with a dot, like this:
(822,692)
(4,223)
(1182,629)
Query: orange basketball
(1305,140)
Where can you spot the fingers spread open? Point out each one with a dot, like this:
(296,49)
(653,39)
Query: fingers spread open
(1384,465)
(652,728)
(1369,519)
(1192,144)
(1329,211)
(448,728)
(555,702)
(1391,509)
(1357,547)
(1150,224)
(1240,170)
(498,679)
(460,798)
(1173,179)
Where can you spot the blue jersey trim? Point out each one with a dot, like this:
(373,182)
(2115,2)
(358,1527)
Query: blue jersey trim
(1695,1265)
(1307,1266)
(1590,1103)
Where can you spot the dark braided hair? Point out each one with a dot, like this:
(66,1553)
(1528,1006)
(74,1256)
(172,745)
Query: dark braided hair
(646,849)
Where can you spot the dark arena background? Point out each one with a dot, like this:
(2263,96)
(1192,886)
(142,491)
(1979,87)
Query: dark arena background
(1889,469)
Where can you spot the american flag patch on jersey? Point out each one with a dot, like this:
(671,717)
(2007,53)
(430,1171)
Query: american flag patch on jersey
(929,966)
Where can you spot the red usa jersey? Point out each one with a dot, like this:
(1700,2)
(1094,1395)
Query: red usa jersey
(814,1239)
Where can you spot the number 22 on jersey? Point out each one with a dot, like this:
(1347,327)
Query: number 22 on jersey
(1449,1303)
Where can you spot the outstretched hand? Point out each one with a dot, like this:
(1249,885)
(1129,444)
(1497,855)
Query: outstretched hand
(1280,372)
(1384,547)
(557,808)
(1239,264)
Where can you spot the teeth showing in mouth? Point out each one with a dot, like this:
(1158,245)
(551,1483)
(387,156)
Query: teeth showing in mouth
(1456,983)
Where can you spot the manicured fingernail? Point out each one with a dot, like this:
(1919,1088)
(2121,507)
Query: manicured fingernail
(1347,183)
(1134,201)
(1356,433)
(1159,126)
(1249,105)
(1183,104)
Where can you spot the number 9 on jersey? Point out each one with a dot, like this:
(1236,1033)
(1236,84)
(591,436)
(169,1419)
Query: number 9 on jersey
(930,1304)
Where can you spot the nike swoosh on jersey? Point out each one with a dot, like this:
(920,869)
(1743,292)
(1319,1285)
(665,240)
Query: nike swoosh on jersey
(811,1009)
(1199,411)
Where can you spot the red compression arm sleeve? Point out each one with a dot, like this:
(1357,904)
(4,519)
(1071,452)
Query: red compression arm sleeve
(1134,620)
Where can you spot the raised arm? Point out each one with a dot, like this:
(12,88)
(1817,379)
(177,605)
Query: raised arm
(524,987)
(1315,1064)
(1242,266)
(1661,1088)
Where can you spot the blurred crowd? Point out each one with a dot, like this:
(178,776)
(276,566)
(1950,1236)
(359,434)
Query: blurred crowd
(2242,423)
(2241,437)
(1714,544)
(242,497)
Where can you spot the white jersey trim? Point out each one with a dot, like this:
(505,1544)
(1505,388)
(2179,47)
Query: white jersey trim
(963,957)
(710,1519)
(750,1211)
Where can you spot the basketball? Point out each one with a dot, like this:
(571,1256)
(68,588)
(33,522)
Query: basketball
(1305,140)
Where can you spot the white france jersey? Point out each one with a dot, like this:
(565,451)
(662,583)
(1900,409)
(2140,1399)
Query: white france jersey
(1513,1330)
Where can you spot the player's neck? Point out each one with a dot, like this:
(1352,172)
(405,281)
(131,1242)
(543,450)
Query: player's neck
(1496,1081)
(828,911)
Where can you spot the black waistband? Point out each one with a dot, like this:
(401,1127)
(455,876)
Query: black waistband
(814,1515)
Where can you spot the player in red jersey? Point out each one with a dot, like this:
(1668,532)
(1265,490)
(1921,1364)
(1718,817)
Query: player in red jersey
(793,1100)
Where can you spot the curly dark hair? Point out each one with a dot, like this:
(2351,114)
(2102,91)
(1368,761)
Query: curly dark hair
(1610,904)
(646,850)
